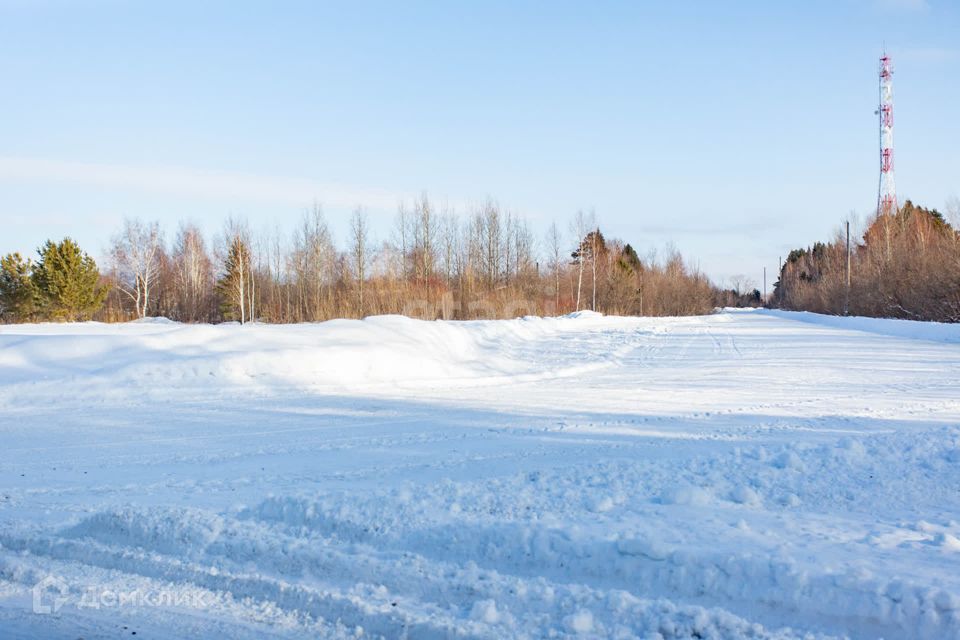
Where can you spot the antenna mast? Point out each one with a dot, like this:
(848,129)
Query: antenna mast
(887,192)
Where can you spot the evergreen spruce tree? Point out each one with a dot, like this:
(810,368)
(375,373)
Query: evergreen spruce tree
(629,261)
(234,285)
(18,296)
(67,281)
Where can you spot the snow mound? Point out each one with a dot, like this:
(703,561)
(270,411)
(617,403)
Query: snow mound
(155,355)
(180,531)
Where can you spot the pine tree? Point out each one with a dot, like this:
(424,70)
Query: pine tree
(18,296)
(67,281)
(629,261)
(234,284)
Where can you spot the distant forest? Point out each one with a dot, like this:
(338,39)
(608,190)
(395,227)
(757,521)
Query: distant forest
(488,264)
(905,265)
(435,264)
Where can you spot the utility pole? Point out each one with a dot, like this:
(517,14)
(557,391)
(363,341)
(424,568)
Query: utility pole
(780,280)
(764,286)
(846,300)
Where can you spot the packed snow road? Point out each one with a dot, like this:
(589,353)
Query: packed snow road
(741,475)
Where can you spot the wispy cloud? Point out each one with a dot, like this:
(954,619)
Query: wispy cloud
(902,5)
(929,54)
(197,183)
(727,229)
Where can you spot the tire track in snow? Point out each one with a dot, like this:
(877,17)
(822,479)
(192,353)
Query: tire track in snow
(387,593)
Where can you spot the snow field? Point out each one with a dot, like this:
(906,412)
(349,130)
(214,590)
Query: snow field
(743,475)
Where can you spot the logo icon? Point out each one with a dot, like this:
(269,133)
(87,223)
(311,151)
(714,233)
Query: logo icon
(50,594)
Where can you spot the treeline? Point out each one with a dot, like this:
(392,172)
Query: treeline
(435,264)
(63,284)
(904,265)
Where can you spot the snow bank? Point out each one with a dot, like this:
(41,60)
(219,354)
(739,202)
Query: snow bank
(916,330)
(150,357)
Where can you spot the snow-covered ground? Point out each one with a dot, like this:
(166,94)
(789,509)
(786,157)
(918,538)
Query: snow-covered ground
(741,475)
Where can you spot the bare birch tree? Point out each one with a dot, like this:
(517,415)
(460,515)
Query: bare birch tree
(555,261)
(193,274)
(136,257)
(581,222)
(424,240)
(359,234)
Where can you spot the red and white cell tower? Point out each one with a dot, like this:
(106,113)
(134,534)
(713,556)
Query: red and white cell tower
(887,193)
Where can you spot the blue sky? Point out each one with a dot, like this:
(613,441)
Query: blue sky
(733,130)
